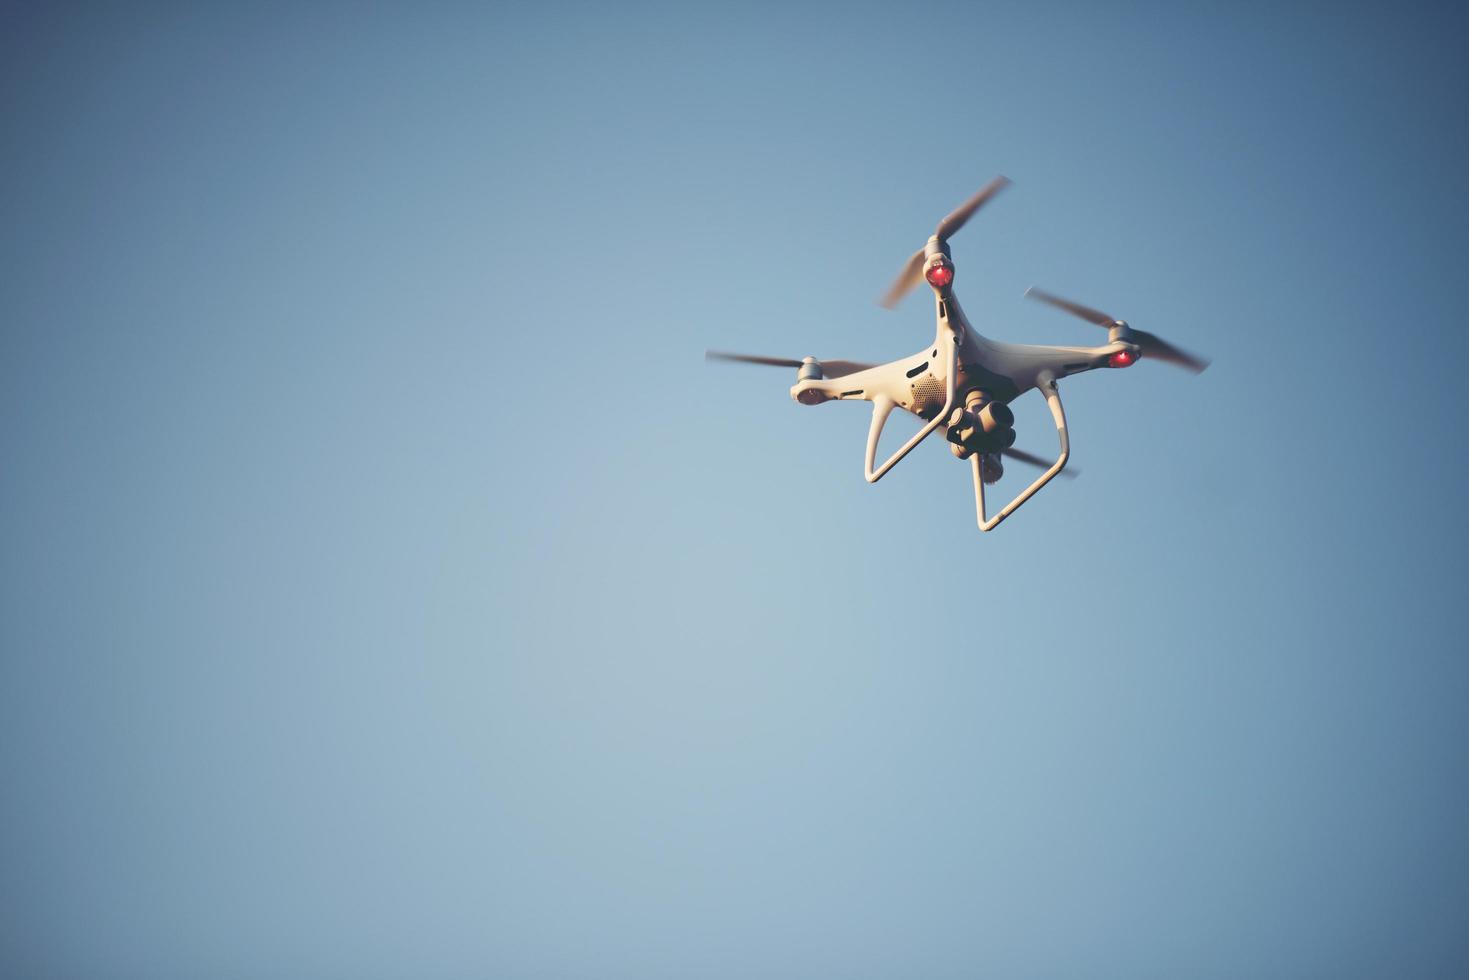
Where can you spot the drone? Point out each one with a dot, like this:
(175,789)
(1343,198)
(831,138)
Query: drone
(963,383)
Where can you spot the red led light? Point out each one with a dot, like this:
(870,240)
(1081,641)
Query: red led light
(939,276)
(1122,358)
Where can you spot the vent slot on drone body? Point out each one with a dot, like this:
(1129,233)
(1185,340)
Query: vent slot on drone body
(852,394)
(918,370)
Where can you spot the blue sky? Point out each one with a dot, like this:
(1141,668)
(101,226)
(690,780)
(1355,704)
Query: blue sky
(388,587)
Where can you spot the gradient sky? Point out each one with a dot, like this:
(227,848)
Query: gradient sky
(388,588)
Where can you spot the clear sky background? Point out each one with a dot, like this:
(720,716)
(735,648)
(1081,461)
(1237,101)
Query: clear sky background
(388,588)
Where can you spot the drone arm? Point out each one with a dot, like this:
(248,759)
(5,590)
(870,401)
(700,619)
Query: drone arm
(882,407)
(1053,399)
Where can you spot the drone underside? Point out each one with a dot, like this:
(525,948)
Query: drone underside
(963,382)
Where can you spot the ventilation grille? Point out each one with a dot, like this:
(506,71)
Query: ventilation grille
(928,395)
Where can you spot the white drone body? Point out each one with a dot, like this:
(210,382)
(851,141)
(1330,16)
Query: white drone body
(963,382)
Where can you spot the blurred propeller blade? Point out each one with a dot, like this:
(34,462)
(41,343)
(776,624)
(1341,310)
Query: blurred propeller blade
(1075,309)
(719,355)
(912,273)
(1153,347)
(965,211)
(1031,459)
(911,276)
(830,369)
(1158,349)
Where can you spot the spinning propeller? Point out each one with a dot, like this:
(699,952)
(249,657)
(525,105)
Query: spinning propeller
(1152,345)
(912,273)
(829,369)
(1031,459)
